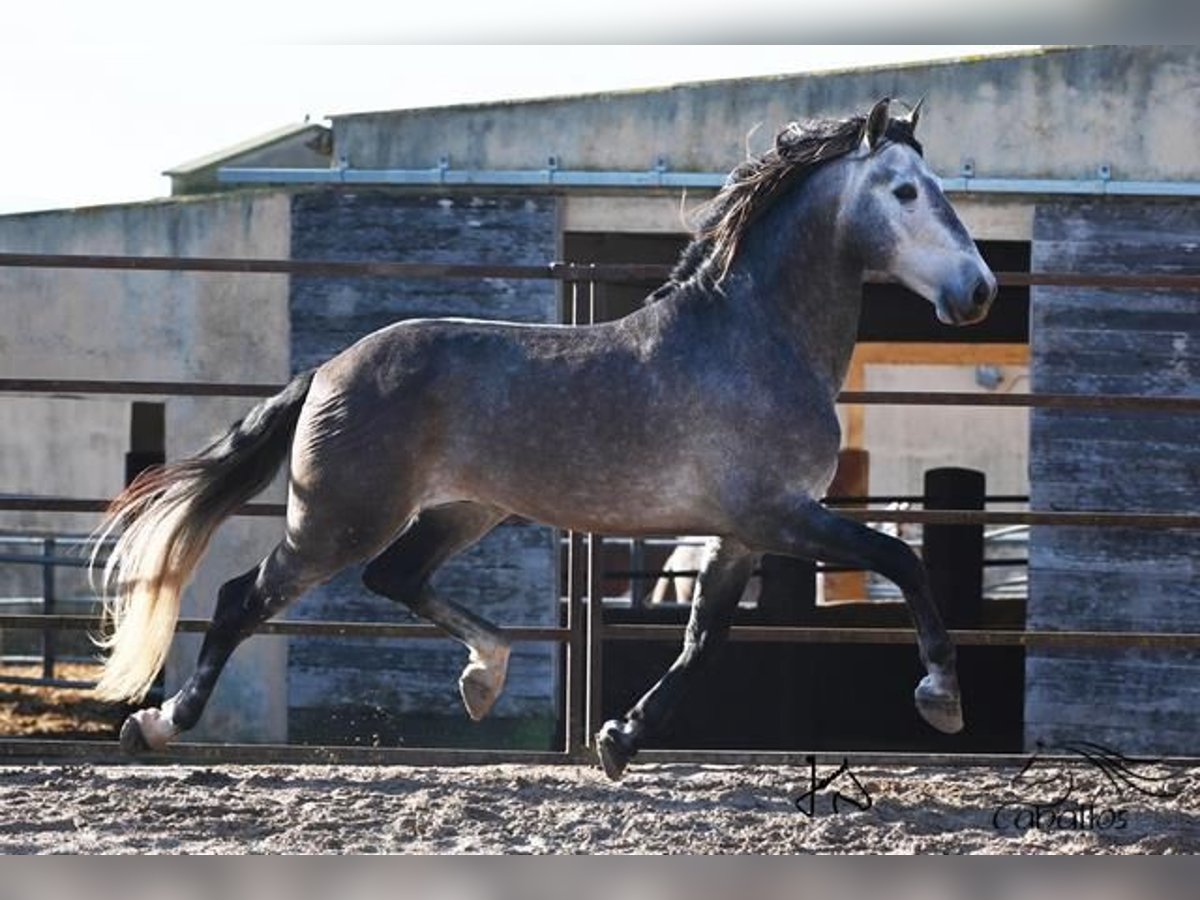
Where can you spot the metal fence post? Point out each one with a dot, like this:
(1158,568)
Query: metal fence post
(576,689)
(48,606)
(595,635)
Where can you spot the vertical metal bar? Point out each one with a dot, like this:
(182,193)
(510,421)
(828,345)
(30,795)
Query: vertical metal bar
(637,565)
(48,604)
(595,618)
(576,688)
(595,634)
(576,648)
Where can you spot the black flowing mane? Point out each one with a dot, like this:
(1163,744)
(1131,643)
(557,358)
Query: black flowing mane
(755,185)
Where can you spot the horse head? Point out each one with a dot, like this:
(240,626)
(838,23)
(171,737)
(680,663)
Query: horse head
(896,219)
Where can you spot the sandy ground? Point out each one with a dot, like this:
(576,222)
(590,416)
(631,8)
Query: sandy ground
(1065,807)
(561,809)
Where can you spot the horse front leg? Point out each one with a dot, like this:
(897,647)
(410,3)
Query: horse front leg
(804,528)
(723,577)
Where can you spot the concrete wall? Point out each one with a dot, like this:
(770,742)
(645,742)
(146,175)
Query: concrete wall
(1057,114)
(142,325)
(905,442)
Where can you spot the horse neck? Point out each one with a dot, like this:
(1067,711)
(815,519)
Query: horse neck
(804,291)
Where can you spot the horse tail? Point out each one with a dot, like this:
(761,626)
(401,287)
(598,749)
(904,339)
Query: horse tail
(168,516)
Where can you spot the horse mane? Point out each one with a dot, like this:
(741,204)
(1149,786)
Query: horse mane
(755,185)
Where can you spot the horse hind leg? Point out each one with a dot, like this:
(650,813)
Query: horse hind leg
(243,603)
(402,572)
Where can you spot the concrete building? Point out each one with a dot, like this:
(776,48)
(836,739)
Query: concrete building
(1076,157)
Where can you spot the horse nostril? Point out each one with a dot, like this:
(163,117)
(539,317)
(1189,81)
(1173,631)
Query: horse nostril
(984,291)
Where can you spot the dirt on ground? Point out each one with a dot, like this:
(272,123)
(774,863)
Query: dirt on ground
(1060,806)
(568,809)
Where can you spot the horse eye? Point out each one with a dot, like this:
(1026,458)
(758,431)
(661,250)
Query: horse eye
(905,193)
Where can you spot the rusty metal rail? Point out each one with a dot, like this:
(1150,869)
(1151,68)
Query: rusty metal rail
(1123,402)
(136,388)
(767,634)
(1079,519)
(293,627)
(555,271)
(34,503)
(49,751)
(984,637)
(34,750)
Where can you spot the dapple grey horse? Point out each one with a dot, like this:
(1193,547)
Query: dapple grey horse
(416,441)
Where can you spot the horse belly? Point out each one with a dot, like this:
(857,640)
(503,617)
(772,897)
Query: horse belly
(614,513)
(597,492)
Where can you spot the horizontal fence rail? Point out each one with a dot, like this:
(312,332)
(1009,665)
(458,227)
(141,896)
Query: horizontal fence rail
(866,398)
(185,752)
(983,637)
(26,750)
(1098,519)
(32,503)
(770,634)
(295,628)
(554,271)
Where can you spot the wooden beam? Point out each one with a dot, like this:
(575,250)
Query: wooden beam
(935,354)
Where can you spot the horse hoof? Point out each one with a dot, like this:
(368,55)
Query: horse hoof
(147,731)
(941,709)
(482,681)
(133,742)
(613,749)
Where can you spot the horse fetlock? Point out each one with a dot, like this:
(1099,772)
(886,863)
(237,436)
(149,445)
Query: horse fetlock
(147,730)
(939,703)
(483,679)
(615,746)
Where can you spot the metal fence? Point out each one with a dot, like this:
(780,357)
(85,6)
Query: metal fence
(584,629)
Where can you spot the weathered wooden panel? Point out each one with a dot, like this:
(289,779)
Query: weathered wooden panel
(511,576)
(328,314)
(1117,342)
(1137,701)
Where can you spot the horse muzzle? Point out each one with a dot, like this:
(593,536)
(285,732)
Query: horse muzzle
(970,303)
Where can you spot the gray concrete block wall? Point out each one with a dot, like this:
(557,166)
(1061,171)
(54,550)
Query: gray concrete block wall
(350,690)
(1118,342)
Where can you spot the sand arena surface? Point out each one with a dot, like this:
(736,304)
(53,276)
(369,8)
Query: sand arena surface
(561,809)
(569,809)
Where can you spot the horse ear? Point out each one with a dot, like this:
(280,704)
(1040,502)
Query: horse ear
(876,123)
(915,115)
